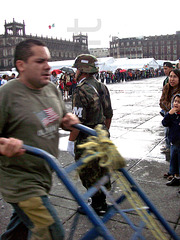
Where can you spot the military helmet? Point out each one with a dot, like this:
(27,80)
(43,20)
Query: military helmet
(86,63)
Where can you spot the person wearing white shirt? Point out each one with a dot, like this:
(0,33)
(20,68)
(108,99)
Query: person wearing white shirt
(4,79)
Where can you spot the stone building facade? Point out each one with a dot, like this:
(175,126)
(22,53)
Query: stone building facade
(99,52)
(164,47)
(59,49)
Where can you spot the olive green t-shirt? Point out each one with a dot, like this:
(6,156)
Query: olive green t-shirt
(33,116)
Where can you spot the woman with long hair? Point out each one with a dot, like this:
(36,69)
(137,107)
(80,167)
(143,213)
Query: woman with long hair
(170,90)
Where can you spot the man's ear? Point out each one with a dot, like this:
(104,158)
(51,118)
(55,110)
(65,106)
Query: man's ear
(20,64)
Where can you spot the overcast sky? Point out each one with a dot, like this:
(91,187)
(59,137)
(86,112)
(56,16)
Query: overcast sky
(99,19)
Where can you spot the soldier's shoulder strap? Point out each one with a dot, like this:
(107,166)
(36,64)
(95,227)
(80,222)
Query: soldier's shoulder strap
(94,89)
(99,94)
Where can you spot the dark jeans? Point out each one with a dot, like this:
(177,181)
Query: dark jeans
(166,137)
(175,159)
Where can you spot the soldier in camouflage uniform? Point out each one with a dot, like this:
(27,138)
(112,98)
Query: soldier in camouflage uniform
(92,104)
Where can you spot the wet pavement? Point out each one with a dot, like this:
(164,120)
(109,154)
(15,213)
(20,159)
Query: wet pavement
(137,132)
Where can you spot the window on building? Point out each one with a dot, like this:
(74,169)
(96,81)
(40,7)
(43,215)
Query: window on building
(150,50)
(156,49)
(139,55)
(9,62)
(168,50)
(5,52)
(2,42)
(175,49)
(174,57)
(162,43)
(1,52)
(6,62)
(162,50)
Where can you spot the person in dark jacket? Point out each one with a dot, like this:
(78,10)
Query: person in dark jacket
(172,120)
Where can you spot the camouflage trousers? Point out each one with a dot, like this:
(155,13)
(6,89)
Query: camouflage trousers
(92,172)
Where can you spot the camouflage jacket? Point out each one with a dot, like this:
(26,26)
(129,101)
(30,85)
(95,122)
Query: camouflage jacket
(91,102)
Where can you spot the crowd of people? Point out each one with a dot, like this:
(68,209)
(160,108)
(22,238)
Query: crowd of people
(121,75)
(32,111)
(5,78)
(66,82)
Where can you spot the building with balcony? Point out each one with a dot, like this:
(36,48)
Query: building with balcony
(158,47)
(59,49)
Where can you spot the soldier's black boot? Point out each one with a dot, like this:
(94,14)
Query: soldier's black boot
(98,204)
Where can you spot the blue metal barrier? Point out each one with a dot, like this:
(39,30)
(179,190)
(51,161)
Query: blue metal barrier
(99,228)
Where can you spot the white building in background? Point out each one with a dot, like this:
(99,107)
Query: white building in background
(99,52)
